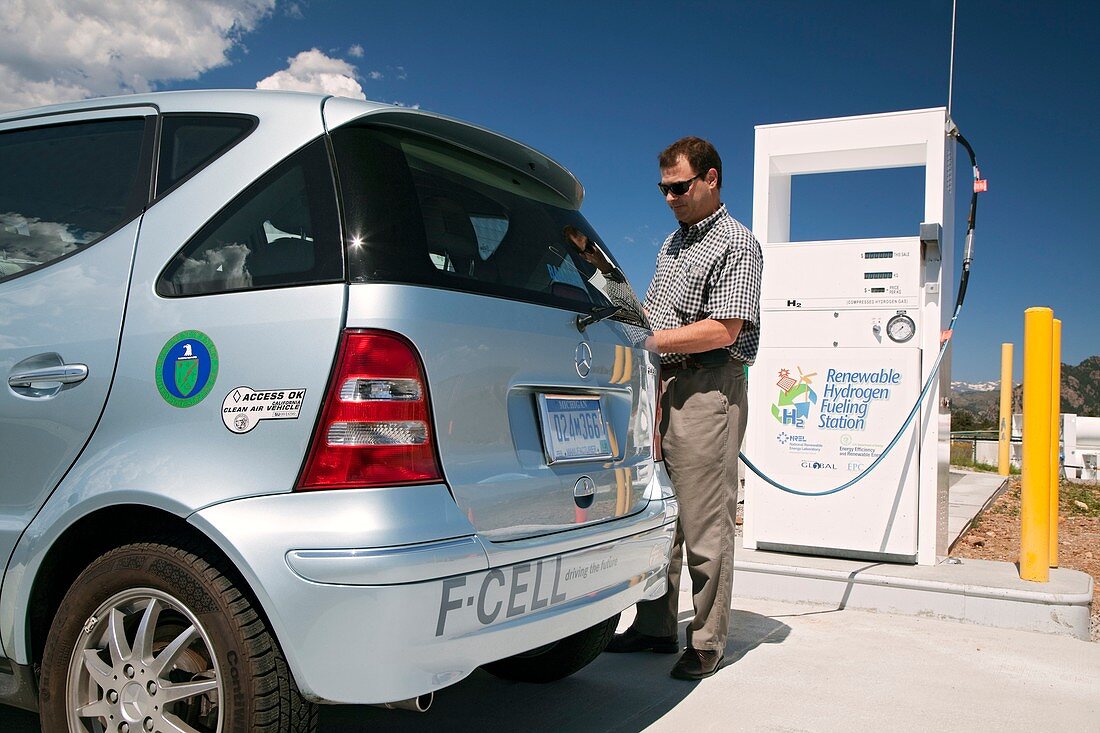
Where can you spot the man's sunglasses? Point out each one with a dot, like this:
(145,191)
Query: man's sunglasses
(679,188)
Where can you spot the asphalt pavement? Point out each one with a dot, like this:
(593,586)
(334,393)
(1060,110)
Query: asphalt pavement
(789,667)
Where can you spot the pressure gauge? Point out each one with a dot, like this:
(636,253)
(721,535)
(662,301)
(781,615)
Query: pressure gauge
(900,328)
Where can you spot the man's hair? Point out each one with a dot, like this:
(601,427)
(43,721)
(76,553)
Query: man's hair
(700,155)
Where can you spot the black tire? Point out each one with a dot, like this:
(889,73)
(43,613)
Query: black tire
(225,646)
(557,660)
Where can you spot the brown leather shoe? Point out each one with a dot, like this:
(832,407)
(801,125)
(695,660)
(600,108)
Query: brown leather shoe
(633,641)
(695,664)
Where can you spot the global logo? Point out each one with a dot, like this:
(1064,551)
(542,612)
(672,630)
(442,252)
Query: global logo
(819,466)
(795,398)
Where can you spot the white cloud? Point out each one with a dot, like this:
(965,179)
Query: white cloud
(376,75)
(27,241)
(313,71)
(59,50)
(356,51)
(225,264)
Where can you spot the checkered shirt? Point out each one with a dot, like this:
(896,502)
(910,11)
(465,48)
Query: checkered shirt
(710,269)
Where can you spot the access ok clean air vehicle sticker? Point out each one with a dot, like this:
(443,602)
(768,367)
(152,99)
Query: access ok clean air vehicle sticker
(244,407)
(187,368)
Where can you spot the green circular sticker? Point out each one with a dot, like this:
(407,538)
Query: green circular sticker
(187,368)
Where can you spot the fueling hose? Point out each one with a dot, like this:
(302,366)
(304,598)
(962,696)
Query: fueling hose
(979,185)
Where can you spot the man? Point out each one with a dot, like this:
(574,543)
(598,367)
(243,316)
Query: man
(704,305)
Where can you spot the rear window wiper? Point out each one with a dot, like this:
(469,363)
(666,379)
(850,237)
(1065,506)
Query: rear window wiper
(597,315)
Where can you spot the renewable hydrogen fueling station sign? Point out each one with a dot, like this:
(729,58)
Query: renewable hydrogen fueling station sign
(845,400)
(832,419)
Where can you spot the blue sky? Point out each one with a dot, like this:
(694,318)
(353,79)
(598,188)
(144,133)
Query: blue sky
(603,87)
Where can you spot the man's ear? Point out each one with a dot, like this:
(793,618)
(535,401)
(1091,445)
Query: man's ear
(712,178)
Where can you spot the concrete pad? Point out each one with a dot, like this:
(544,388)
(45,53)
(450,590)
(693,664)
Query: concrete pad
(789,667)
(976,591)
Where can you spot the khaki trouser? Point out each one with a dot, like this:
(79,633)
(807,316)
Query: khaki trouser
(702,425)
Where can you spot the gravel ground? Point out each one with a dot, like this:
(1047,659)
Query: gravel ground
(995,535)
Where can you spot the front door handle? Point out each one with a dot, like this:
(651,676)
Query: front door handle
(45,375)
(65,374)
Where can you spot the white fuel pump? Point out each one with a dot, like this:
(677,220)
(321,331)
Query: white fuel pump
(850,334)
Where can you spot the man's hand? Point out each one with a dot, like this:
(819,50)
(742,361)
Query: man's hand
(704,335)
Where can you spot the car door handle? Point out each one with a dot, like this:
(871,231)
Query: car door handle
(63,374)
(44,375)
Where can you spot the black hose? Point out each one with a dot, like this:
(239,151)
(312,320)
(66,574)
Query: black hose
(964,278)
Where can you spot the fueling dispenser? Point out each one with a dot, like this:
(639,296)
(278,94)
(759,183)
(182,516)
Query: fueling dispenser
(850,334)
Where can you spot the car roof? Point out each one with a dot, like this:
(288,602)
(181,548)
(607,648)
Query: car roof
(338,111)
(192,100)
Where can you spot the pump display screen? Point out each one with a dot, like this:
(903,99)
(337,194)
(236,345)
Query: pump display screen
(878,255)
(878,275)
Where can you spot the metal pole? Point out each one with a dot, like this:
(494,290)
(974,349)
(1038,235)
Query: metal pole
(1055,434)
(1004,437)
(951,67)
(1035,498)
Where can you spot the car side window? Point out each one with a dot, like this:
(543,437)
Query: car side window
(189,142)
(282,230)
(64,187)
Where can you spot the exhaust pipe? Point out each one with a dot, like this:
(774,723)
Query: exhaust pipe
(418,704)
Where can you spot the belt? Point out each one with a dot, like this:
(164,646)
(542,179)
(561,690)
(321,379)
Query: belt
(712,358)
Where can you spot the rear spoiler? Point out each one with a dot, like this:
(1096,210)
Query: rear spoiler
(339,111)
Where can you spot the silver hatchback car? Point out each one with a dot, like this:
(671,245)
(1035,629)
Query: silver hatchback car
(306,400)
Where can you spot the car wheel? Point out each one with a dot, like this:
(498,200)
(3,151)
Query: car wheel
(152,637)
(559,659)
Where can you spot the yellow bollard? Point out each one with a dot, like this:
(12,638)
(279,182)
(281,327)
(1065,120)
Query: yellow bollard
(1035,499)
(1055,434)
(1004,437)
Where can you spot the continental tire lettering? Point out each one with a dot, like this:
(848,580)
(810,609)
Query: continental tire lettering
(482,616)
(235,677)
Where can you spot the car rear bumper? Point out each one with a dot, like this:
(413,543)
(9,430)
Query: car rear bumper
(370,607)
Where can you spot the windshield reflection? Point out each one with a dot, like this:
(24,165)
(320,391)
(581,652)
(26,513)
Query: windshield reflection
(27,242)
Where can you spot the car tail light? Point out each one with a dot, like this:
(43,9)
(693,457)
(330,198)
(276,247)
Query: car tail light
(375,427)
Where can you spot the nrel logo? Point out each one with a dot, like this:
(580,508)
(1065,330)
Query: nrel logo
(819,466)
(795,398)
(785,438)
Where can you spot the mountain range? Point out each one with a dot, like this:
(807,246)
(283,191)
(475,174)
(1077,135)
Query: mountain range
(975,406)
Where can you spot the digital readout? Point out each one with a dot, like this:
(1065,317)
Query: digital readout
(878,276)
(878,255)
(878,290)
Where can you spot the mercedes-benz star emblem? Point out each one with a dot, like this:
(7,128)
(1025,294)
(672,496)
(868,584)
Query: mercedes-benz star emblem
(584,359)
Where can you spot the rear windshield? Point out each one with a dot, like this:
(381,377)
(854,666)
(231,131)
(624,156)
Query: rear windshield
(423,212)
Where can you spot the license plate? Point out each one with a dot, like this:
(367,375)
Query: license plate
(573,428)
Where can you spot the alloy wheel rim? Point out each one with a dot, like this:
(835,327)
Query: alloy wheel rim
(143,663)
